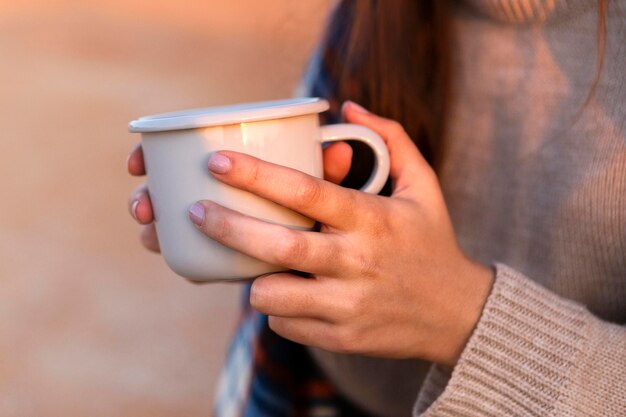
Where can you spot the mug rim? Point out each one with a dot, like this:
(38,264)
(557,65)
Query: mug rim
(228,115)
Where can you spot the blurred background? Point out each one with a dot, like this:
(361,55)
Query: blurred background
(90,323)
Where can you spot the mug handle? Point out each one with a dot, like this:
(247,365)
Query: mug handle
(347,131)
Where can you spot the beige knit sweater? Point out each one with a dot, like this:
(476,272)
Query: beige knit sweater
(536,187)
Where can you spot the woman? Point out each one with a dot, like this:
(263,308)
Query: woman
(519,110)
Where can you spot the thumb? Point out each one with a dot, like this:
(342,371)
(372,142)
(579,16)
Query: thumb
(407,165)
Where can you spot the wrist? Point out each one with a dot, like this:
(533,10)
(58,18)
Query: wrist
(474,286)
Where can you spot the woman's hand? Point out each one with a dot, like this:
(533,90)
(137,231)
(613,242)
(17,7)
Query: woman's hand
(337,160)
(388,278)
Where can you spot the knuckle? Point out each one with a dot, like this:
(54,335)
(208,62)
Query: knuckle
(291,248)
(253,174)
(308,192)
(219,228)
(368,266)
(394,128)
(375,217)
(363,263)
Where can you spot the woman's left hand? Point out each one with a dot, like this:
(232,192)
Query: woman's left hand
(388,277)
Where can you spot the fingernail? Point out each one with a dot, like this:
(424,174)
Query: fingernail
(218,163)
(133,209)
(196,214)
(357,107)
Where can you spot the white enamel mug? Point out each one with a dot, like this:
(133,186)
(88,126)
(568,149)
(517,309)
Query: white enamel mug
(177,146)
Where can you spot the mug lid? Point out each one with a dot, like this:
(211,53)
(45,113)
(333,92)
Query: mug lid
(226,115)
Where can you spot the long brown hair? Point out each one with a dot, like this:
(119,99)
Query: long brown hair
(394,58)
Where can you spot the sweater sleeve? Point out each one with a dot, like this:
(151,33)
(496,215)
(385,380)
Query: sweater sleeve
(532,353)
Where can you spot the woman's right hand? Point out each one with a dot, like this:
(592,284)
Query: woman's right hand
(337,161)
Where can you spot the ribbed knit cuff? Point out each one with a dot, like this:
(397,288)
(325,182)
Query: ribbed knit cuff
(519,358)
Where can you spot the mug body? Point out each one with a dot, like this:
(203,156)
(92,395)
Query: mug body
(176,163)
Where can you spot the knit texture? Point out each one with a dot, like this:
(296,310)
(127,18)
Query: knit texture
(534,176)
(530,356)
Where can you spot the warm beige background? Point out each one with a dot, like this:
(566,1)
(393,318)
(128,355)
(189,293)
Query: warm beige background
(91,324)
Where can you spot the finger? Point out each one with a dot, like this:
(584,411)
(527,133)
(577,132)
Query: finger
(135,161)
(407,163)
(288,295)
(140,206)
(337,161)
(313,332)
(315,198)
(306,331)
(149,238)
(294,249)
